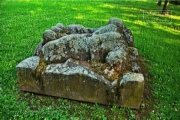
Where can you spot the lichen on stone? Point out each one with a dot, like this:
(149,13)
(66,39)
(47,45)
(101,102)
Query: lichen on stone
(30,63)
(88,64)
(128,37)
(105,29)
(71,46)
(79,29)
(118,23)
(101,44)
(60,25)
(70,68)
(48,36)
(132,77)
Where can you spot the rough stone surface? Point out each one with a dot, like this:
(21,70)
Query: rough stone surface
(48,35)
(38,48)
(79,29)
(71,46)
(134,54)
(97,65)
(30,63)
(117,22)
(105,29)
(26,75)
(131,90)
(74,81)
(128,36)
(102,44)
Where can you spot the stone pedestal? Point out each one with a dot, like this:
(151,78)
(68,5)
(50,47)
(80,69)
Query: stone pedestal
(85,64)
(131,90)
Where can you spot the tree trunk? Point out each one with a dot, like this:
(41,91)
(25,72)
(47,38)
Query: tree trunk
(159,2)
(164,10)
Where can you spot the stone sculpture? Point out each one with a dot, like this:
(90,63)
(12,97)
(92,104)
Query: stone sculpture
(86,64)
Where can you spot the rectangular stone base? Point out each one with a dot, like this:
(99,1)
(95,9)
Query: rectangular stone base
(69,80)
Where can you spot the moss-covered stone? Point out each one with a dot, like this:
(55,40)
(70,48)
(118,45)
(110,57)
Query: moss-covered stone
(71,46)
(48,36)
(131,90)
(95,65)
(118,23)
(26,75)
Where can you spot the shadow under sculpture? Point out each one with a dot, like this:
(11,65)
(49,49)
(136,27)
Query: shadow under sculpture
(85,64)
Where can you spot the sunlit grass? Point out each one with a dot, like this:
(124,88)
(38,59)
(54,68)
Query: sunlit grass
(108,6)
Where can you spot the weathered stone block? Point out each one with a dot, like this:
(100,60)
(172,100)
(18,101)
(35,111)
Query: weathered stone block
(71,46)
(49,35)
(85,64)
(131,90)
(70,80)
(27,78)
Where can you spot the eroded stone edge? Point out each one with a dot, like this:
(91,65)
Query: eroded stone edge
(131,90)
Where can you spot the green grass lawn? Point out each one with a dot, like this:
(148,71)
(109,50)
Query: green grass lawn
(157,38)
